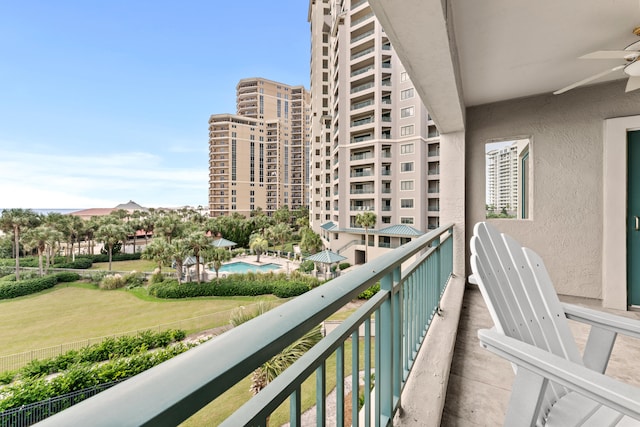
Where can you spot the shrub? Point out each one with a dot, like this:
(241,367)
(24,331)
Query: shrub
(9,278)
(238,285)
(368,293)
(79,263)
(306,266)
(25,287)
(344,265)
(66,276)
(134,279)
(156,277)
(7,377)
(114,281)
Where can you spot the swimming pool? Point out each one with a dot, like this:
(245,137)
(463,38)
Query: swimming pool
(244,267)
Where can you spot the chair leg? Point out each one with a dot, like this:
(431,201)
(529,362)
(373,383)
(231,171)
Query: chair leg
(527,394)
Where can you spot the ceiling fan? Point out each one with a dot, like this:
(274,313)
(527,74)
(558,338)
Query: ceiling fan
(631,66)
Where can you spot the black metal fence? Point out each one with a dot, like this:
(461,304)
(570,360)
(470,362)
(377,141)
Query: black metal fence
(34,412)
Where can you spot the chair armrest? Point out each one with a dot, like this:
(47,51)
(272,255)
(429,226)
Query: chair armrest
(612,393)
(472,279)
(602,320)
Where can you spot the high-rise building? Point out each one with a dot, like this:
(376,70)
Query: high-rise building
(374,147)
(258,157)
(503,164)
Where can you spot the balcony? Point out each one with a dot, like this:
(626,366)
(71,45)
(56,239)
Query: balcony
(171,392)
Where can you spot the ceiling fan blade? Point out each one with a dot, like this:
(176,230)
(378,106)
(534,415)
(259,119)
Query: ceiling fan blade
(610,54)
(588,79)
(633,83)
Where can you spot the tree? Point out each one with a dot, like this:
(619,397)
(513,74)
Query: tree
(39,238)
(111,233)
(258,244)
(366,220)
(280,233)
(159,251)
(169,226)
(282,215)
(310,241)
(15,221)
(266,373)
(197,241)
(216,256)
(179,250)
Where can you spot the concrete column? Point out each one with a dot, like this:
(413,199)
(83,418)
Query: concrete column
(452,194)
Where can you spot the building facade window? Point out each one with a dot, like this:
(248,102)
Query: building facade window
(406,130)
(407,112)
(406,167)
(408,220)
(407,93)
(406,203)
(406,149)
(406,185)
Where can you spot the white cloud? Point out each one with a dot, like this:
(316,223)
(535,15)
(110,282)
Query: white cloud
(33,180)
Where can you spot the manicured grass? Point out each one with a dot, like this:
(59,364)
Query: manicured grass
(221,408)
(137,265)
(69,313)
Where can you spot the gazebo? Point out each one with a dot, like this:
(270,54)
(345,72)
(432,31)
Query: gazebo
(223,243)
(326,257)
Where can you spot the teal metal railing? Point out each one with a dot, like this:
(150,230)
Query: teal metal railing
(385,335)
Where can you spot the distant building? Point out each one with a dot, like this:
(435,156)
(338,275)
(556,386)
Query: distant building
(258,157)
(504,185)
(374,145)
(130,207)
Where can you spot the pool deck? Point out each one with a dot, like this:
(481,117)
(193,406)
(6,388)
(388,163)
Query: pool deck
(286,265)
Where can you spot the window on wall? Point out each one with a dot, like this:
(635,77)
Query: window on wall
(406,220)
(407,112)
(406,203)
(406,149)
(508,179)
(406,185)
(407,93)
(406,167)
(404,76)
(406,130)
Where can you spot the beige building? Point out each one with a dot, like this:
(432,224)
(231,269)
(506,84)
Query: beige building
(258,157)
(374,147)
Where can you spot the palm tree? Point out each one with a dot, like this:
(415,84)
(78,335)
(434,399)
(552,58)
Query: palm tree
(197,241)
(110,234)
(179,249)
(169,226)
(310,241)
(281,361)
(258,244)
(366,220)
(280,233)
(216,256)
(158,251)
(16,220)
(40,238)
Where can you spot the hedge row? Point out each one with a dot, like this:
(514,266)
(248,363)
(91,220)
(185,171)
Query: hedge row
(14,289)
(110,348)
(238,285)
(82,376)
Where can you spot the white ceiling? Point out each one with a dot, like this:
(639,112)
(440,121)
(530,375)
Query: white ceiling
(509,49)
(461,53)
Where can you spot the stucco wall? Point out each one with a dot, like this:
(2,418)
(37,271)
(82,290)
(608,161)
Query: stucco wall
(566,131)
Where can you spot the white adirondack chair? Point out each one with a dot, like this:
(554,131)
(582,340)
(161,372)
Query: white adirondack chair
(554,384)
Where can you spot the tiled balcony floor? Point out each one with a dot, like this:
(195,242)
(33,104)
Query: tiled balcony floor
(480,382)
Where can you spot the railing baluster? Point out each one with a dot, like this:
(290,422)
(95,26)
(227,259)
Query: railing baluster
(321,395)
(355,376)
(367,372)
(340,385)
(294,408)
(396,339)
(385,380)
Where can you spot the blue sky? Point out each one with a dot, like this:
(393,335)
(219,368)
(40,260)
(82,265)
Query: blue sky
(104,101)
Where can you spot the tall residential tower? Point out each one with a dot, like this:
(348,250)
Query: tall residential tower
(258,157)
(373,145)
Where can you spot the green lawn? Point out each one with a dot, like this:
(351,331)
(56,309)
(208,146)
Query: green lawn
(69,313)
(137,265)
